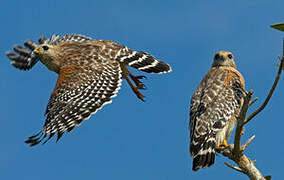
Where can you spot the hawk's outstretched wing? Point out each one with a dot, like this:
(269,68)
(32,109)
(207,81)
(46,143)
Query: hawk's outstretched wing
(79,92)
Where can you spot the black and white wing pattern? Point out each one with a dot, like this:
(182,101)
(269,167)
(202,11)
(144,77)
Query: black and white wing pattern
(79,92)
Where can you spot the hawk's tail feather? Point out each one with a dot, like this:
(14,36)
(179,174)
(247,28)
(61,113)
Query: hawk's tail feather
(145,62)
(203,160)
(203,154)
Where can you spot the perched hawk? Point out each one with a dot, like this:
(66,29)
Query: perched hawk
(89,72)
(214,108)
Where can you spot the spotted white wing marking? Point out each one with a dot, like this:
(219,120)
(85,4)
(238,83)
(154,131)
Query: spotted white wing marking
(79,92)
(55,39)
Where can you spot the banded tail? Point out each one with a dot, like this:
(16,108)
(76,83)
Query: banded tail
(203,153)
(145,62)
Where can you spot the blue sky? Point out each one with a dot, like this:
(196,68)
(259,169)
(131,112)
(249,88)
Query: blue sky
(129,139)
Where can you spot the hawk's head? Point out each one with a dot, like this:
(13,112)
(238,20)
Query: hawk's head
(49,55)
(224,58)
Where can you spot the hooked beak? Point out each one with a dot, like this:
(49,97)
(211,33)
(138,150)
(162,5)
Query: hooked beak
(222,56)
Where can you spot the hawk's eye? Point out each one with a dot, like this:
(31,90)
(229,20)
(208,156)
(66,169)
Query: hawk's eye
(217,56)
(45,48)
(230,56)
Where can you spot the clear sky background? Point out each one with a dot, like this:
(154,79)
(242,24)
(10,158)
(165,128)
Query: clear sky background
(129,139)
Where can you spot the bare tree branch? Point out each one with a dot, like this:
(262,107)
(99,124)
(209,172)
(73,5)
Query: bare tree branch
(253,101)
(246,166)
(234,167)
(240,123)
(235,151)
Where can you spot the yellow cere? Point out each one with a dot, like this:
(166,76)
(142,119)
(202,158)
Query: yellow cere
(223,54)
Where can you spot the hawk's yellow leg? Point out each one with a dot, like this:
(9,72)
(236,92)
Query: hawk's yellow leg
(223,145)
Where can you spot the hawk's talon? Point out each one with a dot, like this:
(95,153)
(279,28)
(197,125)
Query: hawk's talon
(144,87)
(140,96)
(136,80)
(138,83)
(138,93)
(141,86)
(141,77)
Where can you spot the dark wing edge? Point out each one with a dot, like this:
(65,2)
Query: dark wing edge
(23,58)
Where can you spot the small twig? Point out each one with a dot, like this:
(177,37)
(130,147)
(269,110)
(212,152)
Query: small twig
(234,167)
(247,143)
(269,94)
(253,101)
